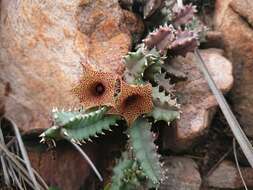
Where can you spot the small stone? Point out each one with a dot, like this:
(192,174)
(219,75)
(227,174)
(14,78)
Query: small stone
(197,101)
(182,174)
(226,176)
(63,166)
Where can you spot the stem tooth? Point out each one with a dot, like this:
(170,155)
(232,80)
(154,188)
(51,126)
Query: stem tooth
(66,134)
(42,135)
(54,144)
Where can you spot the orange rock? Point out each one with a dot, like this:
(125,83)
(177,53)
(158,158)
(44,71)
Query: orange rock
(42,46)
(234,19)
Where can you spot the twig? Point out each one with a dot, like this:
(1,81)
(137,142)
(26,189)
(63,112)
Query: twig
(180,3)
(237,164)
(16,165)
(231,119)
(218,163)
(5,171)
(36,173)
(24,155)
(88,160)
(14,176)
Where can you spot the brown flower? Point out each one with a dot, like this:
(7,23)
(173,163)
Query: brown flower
(96,88)
(133,101)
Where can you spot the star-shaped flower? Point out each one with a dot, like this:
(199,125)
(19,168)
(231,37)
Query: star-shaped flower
(96,88)
(133,101)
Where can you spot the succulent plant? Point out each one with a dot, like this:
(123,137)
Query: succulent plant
(161,38)
(141,140)
(185,41)
(79,126)
(174,72)
(164,83)
(183,15)
(196,26)
(177,42)
(127,174)
(165,107)
(137,62)
(145,90)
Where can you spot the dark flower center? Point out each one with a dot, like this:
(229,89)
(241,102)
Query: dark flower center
(99,89)
(131,100)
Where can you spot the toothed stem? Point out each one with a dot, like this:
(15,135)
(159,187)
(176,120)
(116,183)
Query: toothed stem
(145,150)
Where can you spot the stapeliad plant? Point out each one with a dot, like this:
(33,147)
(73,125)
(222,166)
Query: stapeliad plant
(141,97)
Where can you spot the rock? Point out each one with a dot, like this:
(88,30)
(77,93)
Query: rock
(1,107)
(63,166)
(182,173)
(226,176)
(213,40)
(244,9)
(197,101)
(103,24)
(234,19)
(134,24)
(42,45)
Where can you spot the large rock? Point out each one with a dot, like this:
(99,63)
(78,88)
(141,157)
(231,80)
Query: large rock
(226,176)
(197,101)
(64,167)
(42,45)
(181,173)
(234,19)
